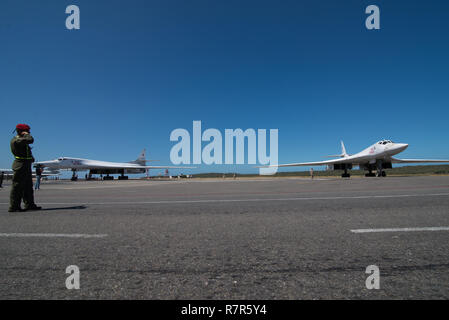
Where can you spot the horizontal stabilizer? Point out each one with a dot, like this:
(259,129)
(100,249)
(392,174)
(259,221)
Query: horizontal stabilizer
(343,152)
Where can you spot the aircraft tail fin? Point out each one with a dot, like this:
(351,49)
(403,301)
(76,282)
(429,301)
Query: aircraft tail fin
(343,152)
(142,156)
(141,159)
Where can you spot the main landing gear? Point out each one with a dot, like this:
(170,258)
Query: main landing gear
(346,174)
(379,167)
(370,173)
(108,177)
(122,175)
(74,176)
(382,173)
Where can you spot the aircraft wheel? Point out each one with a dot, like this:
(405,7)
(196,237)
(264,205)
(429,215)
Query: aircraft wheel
(384,174)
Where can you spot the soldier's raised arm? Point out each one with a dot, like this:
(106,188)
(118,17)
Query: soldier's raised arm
(25,138)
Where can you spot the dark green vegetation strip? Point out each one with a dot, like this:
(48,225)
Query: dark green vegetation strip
(405,170)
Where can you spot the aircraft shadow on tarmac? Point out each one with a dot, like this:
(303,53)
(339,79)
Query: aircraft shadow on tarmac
(64,208)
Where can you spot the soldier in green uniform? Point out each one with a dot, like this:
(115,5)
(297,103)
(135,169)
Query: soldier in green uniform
(22,183)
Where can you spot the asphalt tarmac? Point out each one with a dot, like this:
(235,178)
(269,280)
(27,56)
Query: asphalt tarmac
(266,238)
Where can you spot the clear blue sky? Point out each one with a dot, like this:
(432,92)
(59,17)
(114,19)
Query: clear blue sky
(136,70)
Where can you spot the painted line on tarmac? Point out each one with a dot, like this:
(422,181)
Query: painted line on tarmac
(145,184)
(243,200)
(52,235)
(400,229)
(136,184)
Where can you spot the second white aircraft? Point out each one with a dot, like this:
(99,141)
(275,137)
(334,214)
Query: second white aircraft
(103,167)
(378,156)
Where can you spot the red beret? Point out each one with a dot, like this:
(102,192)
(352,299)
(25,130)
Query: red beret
(22,127)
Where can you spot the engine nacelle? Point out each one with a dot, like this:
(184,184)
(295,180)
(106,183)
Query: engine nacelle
(135,171)
(105,171)
(341,166)
(387,165)
(116,171)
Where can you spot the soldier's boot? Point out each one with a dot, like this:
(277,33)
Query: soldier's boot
(28,195)
(30,206)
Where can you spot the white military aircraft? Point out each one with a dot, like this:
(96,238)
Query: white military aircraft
(103,167)
(378,156)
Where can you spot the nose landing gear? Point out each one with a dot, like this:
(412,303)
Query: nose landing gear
(380,170)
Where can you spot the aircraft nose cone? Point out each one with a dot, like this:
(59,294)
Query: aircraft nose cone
(402,146)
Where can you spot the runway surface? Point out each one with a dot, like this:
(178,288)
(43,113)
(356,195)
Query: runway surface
(230,239)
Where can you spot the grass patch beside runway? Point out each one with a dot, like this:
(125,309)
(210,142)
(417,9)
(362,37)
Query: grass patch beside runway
(405,170)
